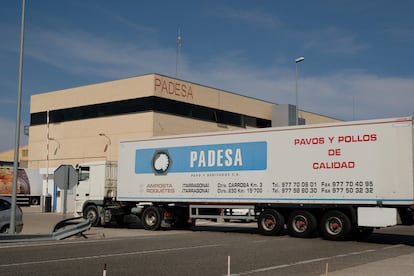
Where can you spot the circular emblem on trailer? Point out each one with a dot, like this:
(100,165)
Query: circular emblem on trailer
(161,162)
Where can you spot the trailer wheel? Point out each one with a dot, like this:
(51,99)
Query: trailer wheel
(270,222)
(335,225)
(91,213)
(301,224)
(151,218)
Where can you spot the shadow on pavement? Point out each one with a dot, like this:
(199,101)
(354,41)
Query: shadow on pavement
(391,239)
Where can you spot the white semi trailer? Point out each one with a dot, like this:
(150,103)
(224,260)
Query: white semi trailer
(341,179)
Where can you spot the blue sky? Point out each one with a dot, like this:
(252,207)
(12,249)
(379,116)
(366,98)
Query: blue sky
(358,54)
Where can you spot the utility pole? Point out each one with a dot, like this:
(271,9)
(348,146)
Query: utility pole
(177,58)
(17,134)
(299,59)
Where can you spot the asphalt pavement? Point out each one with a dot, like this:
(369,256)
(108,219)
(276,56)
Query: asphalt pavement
(399,266)
(36,222)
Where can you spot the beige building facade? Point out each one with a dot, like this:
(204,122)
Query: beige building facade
(8,156)
(85,124)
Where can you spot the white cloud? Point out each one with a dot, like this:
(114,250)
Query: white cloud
(84,53)
(81,53)
(337,95)
(7,101)
(382,97)
(255,17)
(138,28)
(343,95)
(333,40)
(403,35)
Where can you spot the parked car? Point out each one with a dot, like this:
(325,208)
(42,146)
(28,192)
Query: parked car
(5,213)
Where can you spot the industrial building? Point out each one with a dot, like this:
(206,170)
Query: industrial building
(85,124)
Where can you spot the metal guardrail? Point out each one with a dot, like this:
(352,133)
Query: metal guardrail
(61,230)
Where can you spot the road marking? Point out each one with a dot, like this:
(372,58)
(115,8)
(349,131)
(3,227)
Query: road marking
(267,241)
(111,255)
(88,240)
(264,269)
(67,242)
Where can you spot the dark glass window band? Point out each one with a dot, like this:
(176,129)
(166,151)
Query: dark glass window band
(145,104)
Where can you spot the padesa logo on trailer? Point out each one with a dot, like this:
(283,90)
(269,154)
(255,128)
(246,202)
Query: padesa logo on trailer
(161,162)
(247,156)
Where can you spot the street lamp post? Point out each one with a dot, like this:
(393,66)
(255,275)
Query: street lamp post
(299,59)
(12,228)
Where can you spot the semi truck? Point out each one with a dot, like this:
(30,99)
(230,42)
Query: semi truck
(340,180)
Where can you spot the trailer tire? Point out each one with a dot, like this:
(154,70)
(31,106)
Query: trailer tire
(270,222)
(301,224)
(91,213)
(151,218)
(335,225)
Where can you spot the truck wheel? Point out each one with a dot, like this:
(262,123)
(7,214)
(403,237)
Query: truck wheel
(151,218)
(301,224)
(91,213)
(270,222)
(335,225)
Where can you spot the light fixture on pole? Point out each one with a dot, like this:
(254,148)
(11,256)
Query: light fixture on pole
(299,59)
(107,146)
(57,142)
